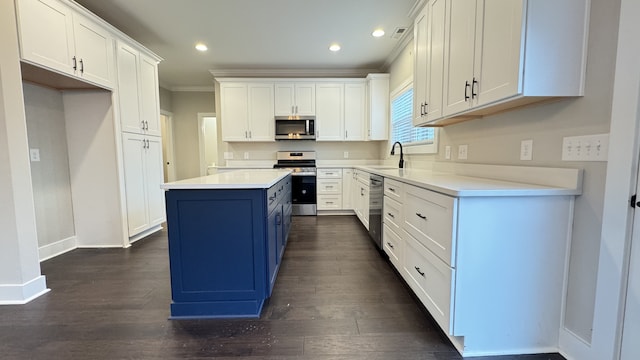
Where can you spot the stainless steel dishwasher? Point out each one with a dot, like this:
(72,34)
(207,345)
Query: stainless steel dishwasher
(376,193)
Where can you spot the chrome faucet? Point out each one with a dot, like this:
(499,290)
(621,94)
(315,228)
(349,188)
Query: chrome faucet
(393,152)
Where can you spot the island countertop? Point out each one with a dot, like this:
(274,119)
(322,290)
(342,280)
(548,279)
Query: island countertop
(238,179)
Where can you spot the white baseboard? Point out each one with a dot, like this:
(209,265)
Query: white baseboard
(19,294)
(57,248)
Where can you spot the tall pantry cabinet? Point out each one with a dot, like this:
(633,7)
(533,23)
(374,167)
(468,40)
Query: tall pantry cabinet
(109,85)
(139,114)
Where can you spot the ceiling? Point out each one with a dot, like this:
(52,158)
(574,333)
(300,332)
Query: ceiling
(260,37)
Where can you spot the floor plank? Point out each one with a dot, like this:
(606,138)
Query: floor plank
(335,298)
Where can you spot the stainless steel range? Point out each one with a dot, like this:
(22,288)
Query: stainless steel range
(303,179)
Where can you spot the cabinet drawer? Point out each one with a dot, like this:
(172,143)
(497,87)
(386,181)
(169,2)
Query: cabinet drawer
(392,244)
(429,217)
(329,186)
(431,280)
(392,214)
(393,189)
(329,174)
(329,202)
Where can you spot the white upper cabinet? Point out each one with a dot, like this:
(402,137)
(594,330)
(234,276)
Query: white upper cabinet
(330,111)
(295,98)
(460,44)
(378,101)
(355,111)
(138,91)
(94,51)
(55,36)
(478,57)
(341,111)
(247,111)
(429,32)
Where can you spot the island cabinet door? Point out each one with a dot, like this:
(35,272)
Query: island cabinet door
(216,247)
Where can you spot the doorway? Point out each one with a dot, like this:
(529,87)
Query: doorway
(168,155)
(208,141)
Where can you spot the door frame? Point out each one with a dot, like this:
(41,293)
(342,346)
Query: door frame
(169,145)
(201,155)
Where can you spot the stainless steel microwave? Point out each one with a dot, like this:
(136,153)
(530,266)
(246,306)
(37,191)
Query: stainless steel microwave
(295,127)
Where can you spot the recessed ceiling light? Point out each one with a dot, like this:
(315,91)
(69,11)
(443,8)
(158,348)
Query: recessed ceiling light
(201,47)
(378,33)
(334,47)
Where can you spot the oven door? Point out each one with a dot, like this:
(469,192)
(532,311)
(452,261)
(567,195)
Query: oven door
(303,194)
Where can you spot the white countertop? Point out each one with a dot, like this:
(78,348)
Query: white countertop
(463,180)
(465,186)
(237,179)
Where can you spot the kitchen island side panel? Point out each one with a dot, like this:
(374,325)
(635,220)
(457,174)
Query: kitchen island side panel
(217,252)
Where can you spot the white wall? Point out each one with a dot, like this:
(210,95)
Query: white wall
(20,277)
(185,106)
(496,140)
(50,176)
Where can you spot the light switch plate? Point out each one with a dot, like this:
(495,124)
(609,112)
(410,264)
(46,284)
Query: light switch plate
(463,151)
(526,149)
(346,154)
(246,155)
(447,152)
(585,148)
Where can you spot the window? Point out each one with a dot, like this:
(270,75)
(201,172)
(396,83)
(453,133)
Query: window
(416,140)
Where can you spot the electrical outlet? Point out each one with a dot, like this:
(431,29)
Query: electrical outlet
(447,152)
(585,148)
(246,155)
(463,151)
(346,154)
(34,154)
(228,155)
(526,150)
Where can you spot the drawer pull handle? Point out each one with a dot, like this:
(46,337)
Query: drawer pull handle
(419,272)
(329,202)
(392,189)
(391,215)
(421,216)
(390,244)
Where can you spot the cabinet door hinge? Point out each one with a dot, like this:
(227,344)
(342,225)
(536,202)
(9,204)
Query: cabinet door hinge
(632,202)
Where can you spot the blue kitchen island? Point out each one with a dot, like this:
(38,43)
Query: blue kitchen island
(227,234)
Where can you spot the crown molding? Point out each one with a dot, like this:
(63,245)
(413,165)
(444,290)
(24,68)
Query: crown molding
(191,88)
(297,73)
(413,12)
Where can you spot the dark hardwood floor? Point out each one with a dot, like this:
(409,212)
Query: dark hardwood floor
(335,298)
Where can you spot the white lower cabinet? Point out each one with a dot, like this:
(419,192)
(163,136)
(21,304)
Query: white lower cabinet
(361,199)
(347,189)
(143,176)
(489,269)
(329,189)
(431,280)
